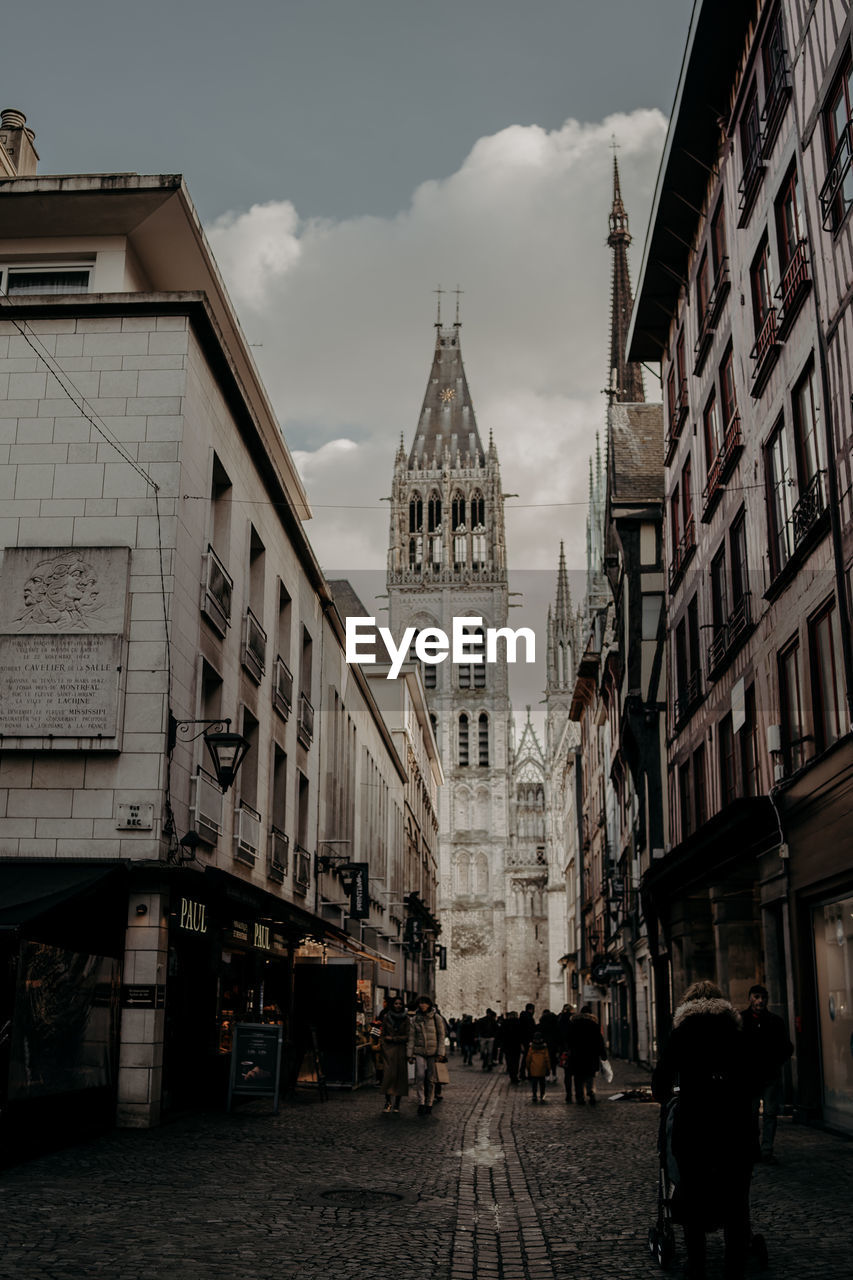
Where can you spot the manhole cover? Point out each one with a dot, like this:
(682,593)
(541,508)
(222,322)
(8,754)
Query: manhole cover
(359,1197)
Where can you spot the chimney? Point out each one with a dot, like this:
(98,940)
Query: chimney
(19,158)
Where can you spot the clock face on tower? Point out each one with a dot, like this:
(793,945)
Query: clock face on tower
(447,394)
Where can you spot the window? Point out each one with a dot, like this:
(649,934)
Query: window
(807,431)
(278,797)
(672,402)
(458,511)
(483,740)
(728,395)
(700,790)
(416,552)
(478,510)
(777,86)
(22,281)
(702,289)
(750,142)
(473,675)
(285,611)
(726,743)
(761,276)
(837,193)
(719,591)
(749,750)
(693,637)
(737,548)
(249,769)
(827,680)
(305,664)
(777,471)
(685,790)
(675,516)
(711,429)
(463,741)
(434,512)
(718,237)
(220,502)
(790,225)
(791,707)
(686,494)
(416,513)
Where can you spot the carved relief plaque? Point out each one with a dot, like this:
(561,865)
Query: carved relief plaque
(62,622)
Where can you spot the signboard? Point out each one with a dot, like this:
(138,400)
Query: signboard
(143,996)
(62,623)
(256,1061)
(413,931)
(359,891)
(442,957)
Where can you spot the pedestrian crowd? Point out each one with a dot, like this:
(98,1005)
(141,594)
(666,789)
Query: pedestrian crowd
(718,1080)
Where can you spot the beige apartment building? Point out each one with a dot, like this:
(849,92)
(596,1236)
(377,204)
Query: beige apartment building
(158,590)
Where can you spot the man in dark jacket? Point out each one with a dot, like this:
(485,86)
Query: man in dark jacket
(586,1051)
(527,1022)
(512,1044)
(549,1026)
(487,1028)
(707,1125)
(769,1048)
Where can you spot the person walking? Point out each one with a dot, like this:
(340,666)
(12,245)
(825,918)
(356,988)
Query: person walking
(467,1034)
(549,1025)
(486,1032)
(527,1019)
(425,1045)
(394,1039)
(704,1085)
(437,1091)
(512,1045)
(768,1048)
(586,1052)
(538,1064)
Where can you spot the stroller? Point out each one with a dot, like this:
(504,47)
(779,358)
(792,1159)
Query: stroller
(661,1238)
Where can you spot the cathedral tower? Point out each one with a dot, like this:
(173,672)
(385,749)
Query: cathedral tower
(625,380)
(446,560)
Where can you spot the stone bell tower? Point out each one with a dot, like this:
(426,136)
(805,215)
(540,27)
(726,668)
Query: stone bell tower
(446,559)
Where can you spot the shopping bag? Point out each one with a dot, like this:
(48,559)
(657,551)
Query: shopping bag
(606,1071)
(442,1073)
(411,1072)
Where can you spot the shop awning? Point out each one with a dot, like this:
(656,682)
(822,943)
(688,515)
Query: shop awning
(29,890)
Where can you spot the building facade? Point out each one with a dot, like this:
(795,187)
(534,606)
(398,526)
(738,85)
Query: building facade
(158,587)
(744,299)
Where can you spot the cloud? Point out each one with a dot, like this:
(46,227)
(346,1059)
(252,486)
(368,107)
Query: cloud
(345,309)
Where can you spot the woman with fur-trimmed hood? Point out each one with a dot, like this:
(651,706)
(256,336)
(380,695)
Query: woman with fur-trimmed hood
(709,1139)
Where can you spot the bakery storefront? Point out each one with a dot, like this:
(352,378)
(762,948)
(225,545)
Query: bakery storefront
(231,950)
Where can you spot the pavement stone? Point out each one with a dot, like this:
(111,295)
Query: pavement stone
(490,1187)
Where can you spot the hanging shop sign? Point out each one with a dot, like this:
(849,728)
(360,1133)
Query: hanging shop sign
(256,1062)
(256,933)
(442,957)
(359,891)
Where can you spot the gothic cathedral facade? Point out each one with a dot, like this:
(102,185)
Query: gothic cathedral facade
(446,560)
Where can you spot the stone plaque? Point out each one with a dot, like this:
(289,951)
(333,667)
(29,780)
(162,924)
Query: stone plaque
(62,623)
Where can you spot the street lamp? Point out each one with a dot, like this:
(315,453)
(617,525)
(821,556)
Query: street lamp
(227,750)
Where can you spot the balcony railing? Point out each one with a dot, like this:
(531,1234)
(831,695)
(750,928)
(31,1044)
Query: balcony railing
(682,553)
(254,654)
(722,466)
(796,283)
(305,721)
(729,636)
(206,807)
(686,702)
(279,848)
(247,833)
(713,309)
(301,870)
(834,201)
(779,90)
(282,688)
(216,588)
(753,176)
(808,511)
(765,351)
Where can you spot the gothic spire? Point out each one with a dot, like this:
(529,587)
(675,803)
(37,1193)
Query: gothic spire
(624,380)
(563,607)
(447,419)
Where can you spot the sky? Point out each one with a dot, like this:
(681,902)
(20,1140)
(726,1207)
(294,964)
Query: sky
(348,157)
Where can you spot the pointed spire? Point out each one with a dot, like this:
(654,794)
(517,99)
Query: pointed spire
(447,418)
(563,608)
(625,381)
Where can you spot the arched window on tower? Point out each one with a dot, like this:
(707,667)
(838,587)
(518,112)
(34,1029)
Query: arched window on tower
(416,552)
(416,513)
(478,511)
(483,740)
(463,741)
(434,538)
(458,511)
(473,675)
(460,531)
(481,875)
(462,877)
(478,530)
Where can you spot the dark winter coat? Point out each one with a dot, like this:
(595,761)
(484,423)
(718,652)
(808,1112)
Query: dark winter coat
(767,1044)
(586,1045)
(549,1026)
(527,1022)
(712,1138)
(512,1035)
(394,1042)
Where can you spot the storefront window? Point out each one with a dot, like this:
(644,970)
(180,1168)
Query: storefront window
(833,934)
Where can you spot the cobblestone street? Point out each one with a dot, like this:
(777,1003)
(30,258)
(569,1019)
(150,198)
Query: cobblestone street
(489,1186)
